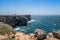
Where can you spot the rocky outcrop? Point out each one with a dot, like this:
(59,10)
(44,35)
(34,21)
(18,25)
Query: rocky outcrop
(15,20)
(40,34)
(51,37)
(22,36)
(28,17)
(56,34)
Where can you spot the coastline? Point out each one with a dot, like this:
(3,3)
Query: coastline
(38,35)
(9,34)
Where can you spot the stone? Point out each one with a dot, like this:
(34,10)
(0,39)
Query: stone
(32,36)
(15,20)
(50,37)
(22,36)
(56,34)
(50,34)
(40,34)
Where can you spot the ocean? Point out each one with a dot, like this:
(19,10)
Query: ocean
(48,23)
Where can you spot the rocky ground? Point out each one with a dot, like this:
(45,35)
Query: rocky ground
(9,34)
(39,35)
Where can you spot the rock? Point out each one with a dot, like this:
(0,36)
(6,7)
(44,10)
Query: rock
(15,20)
(50,37)
(40,34)
(12,35)
(3,36)
(32,36)
(18,36)
(56,34)
(22,36)
(50,34)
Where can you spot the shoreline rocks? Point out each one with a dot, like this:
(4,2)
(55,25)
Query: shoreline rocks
(38,35)
(22,36)
(56,34)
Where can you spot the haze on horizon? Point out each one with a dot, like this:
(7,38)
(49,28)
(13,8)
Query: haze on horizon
(33,7)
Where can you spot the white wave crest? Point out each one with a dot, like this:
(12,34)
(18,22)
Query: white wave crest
(17,28)
(21,29)
(30,21)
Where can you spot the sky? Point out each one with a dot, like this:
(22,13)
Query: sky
(33,7)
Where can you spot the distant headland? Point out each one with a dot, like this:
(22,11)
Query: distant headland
(15,20)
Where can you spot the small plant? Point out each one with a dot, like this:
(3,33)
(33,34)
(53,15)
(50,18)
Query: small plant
(5,28)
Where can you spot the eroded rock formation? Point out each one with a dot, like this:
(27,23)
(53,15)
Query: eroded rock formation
(56,34)
(40,34)
(15,20)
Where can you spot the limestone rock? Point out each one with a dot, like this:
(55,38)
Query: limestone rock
(50,34)
(56,34)
(40,34)
(22,36)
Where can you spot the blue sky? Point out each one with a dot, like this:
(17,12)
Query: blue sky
(33,7)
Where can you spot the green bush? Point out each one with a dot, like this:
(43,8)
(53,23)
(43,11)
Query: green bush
(5,28)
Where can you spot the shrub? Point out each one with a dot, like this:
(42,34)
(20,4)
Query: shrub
(5,28)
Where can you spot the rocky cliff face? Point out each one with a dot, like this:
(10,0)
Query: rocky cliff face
(15,20)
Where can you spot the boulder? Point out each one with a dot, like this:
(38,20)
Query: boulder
(56,34)
(40,34)
(50,34)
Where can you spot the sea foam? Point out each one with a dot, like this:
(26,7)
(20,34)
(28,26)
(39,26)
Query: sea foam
(30,21)
(17,28)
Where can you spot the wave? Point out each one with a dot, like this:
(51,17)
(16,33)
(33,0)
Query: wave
(30,21)
(17,28)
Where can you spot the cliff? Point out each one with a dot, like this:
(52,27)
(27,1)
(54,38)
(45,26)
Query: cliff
(15,20)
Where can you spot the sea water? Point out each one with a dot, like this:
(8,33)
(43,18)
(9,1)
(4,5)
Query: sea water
(48,23)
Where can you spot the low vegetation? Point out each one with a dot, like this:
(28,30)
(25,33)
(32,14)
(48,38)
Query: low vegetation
(6,29)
